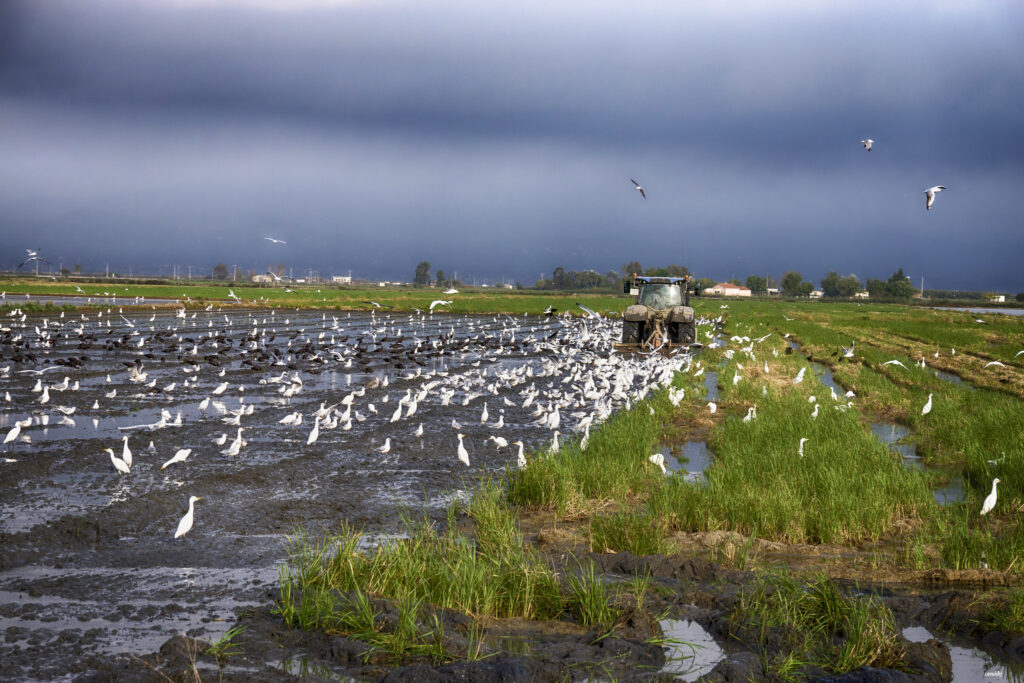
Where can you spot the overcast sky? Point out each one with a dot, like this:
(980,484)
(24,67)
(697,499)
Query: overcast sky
(498,139)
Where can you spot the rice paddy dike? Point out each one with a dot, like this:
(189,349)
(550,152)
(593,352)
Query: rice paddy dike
(826,558)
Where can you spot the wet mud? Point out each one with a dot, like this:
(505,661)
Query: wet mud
(90,566)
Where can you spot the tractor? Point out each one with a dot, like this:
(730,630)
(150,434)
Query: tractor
(661,316)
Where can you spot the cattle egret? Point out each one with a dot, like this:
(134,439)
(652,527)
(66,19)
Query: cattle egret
(927,406)
(119,464)
(659,460)
(178,457)
(803,440)
(463,453)
(520,458)
(186,522)
(990,500)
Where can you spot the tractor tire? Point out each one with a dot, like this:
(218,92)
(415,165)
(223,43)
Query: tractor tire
(687,333)
(630,332)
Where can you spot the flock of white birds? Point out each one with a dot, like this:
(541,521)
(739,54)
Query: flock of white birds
(500,375)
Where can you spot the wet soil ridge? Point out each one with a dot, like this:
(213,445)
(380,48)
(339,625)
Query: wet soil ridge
(773,628)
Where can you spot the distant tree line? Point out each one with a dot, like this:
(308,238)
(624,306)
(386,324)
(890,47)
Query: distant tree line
(422,276)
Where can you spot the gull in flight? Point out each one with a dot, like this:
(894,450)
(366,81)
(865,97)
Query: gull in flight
(33,255)
(639,188)
(275,241)
(867,143)
(895,362)
(930,195)
(439,302)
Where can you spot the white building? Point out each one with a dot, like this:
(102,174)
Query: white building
(862,294)
(998,299)
(262,277)
(728,289)
(341,279)
(816,294)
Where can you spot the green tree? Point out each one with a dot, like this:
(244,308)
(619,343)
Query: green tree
(830,284)
(1020,296)
(806,288)
(632,267)
(558,278)
(78,269)
(876,288)
(849,285)
(422,276)
(439,277)
(705,283)
(65,272)
(220,272)
(791,283)
(899,286)
(756,283)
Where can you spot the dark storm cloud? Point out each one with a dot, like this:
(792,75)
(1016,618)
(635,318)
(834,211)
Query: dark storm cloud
(498,139)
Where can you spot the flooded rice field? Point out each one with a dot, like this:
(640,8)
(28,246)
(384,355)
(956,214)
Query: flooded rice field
(294,420)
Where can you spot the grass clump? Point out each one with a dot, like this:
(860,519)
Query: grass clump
(390,597)
(802,628)
(641,533)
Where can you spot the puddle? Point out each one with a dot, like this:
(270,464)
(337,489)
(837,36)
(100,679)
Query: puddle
(970,664)
(953,492)
(824,375)
(694,652)
(795,345)
(691,460)
(894,436)
(304,666)
(953,379)
(711,386)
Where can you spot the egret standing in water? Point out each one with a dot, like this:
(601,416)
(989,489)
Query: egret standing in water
(463,453)
(186,522)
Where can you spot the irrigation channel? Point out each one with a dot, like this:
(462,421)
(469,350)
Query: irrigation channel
(90,567)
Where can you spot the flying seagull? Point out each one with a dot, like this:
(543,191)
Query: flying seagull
(33,255)
(275,241)
(867,143)
(930,194)
(638,188)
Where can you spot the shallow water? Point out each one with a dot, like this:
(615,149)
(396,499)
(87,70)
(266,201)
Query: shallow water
(954,379)
(694,653)
(691,460)
(1003,311)
(972,664)
(711,386)
(895,437)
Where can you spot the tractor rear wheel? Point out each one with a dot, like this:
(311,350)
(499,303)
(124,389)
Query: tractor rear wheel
(630,332)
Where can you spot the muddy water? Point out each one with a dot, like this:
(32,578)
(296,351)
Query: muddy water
(971,664)
(89,563)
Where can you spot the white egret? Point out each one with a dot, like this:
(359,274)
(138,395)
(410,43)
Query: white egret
(178,457)
(126,453)
(314,433)
(803,440)
(659,460)
(185,525)
(927,406)
(119,464)
(990,500)
(520,458)
(463,453)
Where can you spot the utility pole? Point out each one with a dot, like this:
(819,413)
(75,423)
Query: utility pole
(922,286)
(234,272)
(190,273)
